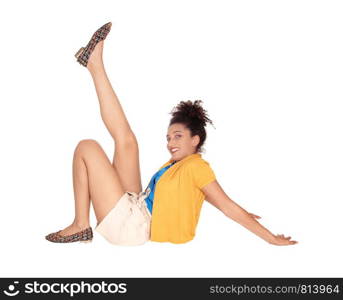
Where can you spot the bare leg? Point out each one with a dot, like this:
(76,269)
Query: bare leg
(124,174)
(111,110)
(94,180)
(126,156)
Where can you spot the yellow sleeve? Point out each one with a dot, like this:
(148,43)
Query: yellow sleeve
(202,173)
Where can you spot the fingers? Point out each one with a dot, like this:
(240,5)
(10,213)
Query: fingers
(255,216)
(282,236)
(285,240)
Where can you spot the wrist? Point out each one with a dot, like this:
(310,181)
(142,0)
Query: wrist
(271,239)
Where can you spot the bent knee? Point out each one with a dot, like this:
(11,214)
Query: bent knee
(87,144)
(128,143)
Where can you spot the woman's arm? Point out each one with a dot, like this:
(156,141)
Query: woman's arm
(215,195)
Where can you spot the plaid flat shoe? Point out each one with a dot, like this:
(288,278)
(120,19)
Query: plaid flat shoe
(85,235)
(85,52)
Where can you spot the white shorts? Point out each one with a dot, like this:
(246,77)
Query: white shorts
(128,223)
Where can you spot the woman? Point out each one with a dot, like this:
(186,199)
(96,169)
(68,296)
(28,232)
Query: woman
(169,209)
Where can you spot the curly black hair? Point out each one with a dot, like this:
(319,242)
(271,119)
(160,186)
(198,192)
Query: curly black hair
(194,117)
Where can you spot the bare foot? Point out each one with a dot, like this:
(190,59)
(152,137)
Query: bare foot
(71,229)
(95,59)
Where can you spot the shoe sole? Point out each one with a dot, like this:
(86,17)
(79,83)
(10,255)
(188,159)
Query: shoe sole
(88,241)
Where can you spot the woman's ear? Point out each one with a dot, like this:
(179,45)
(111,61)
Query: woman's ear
(195,140)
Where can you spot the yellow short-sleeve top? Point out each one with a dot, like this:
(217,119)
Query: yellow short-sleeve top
(178,199)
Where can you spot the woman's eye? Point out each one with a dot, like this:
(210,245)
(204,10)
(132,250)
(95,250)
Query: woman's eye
(176,136)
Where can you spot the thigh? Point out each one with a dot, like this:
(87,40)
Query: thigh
(105,188)
(126,162)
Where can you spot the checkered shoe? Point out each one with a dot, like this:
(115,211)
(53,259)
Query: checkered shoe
(85,235)
(85,52)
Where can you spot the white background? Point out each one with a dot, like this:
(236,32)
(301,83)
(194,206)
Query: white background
(270,76)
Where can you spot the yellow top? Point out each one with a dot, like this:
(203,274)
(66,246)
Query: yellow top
(178,199)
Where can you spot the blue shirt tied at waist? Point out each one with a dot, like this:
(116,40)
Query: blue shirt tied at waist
(150,199)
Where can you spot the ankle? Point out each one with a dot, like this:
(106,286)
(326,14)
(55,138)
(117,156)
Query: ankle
(95,67)
(81,225)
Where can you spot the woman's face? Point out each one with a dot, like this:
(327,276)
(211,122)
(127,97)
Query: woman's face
(179,138)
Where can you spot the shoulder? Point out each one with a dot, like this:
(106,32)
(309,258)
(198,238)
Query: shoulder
(201,172)
(198,161)
(197,164)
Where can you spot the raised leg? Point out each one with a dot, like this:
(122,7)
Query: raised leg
(95,181)
(126,155)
